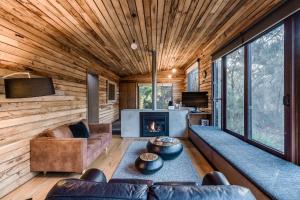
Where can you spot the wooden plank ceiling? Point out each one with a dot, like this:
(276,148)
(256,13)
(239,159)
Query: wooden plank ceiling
(104,29)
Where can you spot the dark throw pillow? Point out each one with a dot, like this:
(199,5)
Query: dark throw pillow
(79,130)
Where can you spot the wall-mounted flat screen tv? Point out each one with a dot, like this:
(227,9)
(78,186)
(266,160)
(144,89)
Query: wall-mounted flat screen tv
(195,99)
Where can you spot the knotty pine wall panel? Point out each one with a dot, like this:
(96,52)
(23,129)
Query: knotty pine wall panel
(25,48)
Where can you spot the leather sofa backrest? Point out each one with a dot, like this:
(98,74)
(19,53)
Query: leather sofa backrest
(80,189)
(164,192)
(60,132)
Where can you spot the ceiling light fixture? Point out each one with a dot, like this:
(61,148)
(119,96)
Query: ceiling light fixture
(169,76)
(134,45)
(174,70)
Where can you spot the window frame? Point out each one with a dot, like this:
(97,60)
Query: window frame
(108,85)
(286,83)
(247,91)
(241,136)
(158,84)
(215,99)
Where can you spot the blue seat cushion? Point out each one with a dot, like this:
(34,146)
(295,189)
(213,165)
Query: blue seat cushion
(277,177)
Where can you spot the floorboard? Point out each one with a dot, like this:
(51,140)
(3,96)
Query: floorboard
(38,187)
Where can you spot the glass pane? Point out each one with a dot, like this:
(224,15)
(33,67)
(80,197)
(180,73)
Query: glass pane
(235,91)
(193,81)
(217,114)
(164,95)
(145,97)
(217,92)
(267,77)
(218,78)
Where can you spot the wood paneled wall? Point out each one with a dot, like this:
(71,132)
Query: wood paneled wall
(23,48)
(177,81)
(205,83)
(108,112)
(23,119)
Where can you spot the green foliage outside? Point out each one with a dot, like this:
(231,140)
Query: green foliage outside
(267,89)
(164,95)
(235,91)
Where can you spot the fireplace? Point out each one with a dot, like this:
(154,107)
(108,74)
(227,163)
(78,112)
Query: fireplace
(153,124)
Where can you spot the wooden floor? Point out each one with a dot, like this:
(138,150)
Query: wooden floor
(38,187)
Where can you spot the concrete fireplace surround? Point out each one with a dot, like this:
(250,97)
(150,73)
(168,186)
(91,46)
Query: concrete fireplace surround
(130,122)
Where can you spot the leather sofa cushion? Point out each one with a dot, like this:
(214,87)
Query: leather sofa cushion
(80,189)
(163,192)
(104,137)
(60,132)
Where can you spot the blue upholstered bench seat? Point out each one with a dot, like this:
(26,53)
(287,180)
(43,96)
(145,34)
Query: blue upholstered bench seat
(276,177)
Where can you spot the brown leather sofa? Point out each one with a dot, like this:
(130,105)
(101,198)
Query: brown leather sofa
(58,151)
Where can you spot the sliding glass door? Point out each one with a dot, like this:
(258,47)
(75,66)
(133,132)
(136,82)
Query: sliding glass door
(255,88)
(266,109)
(251,83)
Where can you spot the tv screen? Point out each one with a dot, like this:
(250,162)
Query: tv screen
(195,99)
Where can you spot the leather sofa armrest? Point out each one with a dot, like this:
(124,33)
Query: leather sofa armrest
(100,128)
(95,175)
(58,154)
(215,178)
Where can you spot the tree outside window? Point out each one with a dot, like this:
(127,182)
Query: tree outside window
(164,95)
(235,91)
(267,89)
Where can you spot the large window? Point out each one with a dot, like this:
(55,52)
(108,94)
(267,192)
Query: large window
(164,95)
(217,69)
(260,86)
(256,73)
(235,91)
(267,89)
(193,78)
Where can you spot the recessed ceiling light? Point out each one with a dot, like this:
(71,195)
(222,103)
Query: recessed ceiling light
(169,76)
(174,70)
